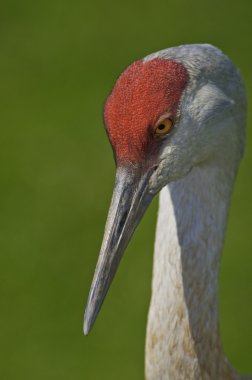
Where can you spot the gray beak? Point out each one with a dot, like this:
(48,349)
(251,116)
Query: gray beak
(129,202)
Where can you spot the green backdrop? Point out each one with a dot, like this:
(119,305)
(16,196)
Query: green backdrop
(58,61)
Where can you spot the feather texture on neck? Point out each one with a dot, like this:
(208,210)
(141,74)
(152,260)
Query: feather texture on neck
(183,341)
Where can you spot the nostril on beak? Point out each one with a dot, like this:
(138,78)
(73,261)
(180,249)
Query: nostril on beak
(122,222)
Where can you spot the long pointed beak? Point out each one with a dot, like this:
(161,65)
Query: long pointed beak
(129,202)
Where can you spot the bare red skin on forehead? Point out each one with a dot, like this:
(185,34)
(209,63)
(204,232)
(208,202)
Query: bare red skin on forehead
(143,92)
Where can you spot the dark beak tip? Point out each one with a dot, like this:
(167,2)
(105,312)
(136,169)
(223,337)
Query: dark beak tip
(87,324)
(86,331)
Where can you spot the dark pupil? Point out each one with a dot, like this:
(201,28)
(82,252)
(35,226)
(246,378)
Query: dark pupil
(161,127)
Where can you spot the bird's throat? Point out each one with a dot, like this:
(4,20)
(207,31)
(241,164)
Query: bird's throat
(183,331)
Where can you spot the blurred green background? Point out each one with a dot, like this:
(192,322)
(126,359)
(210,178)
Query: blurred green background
(58,61)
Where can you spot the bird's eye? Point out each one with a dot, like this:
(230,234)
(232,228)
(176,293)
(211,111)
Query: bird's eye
(164,127)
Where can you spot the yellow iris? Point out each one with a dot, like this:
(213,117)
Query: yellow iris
(164,127)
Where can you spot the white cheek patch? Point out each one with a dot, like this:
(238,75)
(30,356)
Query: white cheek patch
(209,103)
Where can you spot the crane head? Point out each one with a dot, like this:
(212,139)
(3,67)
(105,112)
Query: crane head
(165,115)
(143,98)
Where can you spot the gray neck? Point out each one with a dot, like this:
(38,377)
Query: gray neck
(183,340)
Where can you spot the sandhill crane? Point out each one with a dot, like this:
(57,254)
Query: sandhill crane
(176,122)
